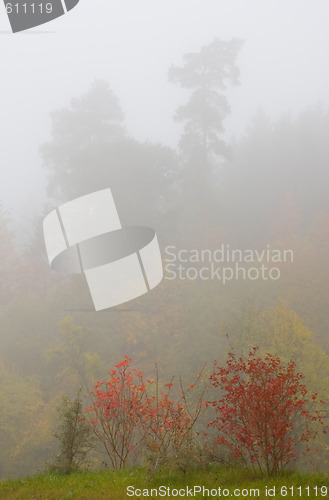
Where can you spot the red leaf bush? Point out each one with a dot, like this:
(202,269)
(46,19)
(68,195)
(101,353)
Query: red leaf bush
(263,403)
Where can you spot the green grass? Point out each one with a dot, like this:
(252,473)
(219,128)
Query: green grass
(112,485)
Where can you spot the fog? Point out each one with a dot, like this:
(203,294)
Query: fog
(283,68)
(209,122)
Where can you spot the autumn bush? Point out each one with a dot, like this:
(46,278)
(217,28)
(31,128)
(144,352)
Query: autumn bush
(118,405)
(134,418)
(170,425)
(260,411)
(264,413)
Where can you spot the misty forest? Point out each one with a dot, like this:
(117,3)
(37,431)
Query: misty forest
(136,384)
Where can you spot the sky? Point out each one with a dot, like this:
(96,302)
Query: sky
(132,43)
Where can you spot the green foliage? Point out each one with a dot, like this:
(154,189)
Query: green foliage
(102,485)
(21,422)
(8,259)
(76,364)
(280,331)
(74,434)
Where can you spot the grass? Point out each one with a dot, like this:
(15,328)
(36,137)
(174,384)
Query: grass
(112,485)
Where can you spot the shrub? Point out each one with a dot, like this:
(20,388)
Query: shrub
(74,434)
(264,411)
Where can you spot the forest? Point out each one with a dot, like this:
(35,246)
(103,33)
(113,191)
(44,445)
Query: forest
(243,230)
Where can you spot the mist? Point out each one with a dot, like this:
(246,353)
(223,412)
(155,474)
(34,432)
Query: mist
(132,45)
(209,122)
